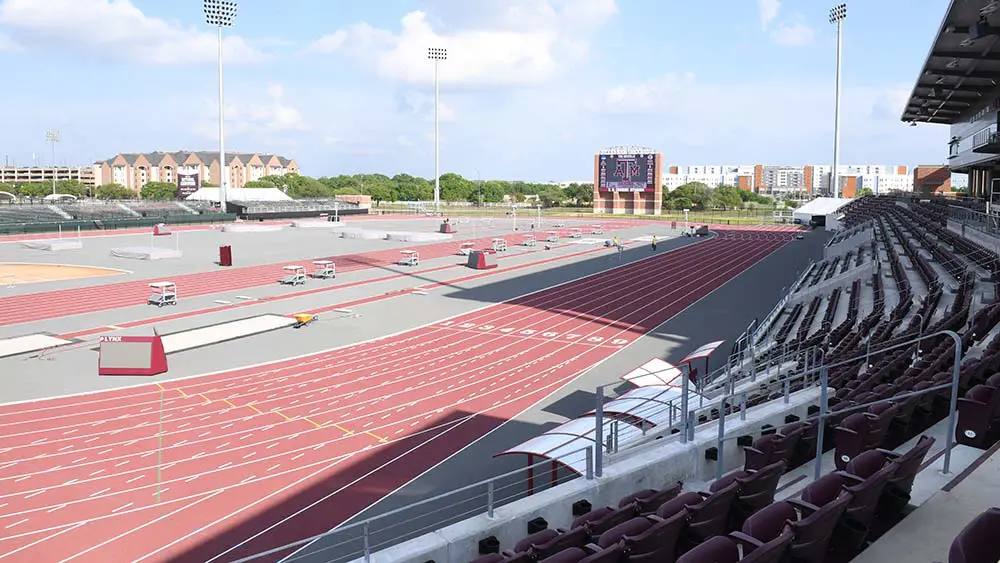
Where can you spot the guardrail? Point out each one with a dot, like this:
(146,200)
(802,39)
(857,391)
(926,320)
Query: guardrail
(113,224)
(361,539)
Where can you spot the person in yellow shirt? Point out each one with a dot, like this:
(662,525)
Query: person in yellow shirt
(654,243)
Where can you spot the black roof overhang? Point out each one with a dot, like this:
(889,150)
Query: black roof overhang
(959,72)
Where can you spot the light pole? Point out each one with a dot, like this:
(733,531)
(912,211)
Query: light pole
(437,55)
(221,13)
(837,16)
(52,136)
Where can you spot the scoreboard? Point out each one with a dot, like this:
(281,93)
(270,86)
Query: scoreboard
(627,173)
(131,355)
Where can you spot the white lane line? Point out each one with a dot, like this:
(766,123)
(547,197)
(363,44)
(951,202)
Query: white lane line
(133,479)
(18,523)
(122,507)
(100,492)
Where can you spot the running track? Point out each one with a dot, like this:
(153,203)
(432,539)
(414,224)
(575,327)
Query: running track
(247,450)
(30,307)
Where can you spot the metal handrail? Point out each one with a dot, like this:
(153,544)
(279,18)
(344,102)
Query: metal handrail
(365,524)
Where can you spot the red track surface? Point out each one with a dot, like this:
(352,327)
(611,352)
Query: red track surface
(257,457)
(31,307)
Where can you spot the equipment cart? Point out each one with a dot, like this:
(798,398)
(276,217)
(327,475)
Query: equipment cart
(499,245)
(410,258)
(325,269)
(166,294)
(296,275)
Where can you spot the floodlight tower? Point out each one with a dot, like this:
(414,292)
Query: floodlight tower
(52,136)
(837,16)
(437,55)
(221,13)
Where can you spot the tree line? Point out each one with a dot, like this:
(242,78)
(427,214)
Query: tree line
(404,187)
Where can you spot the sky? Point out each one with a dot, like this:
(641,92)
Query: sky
(531,89)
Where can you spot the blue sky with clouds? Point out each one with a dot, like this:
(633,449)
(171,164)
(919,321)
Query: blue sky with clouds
(531,90)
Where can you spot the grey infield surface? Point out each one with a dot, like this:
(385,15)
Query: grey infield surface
(72,369)
(722,315)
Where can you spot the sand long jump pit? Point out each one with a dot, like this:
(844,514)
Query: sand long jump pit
(17,273)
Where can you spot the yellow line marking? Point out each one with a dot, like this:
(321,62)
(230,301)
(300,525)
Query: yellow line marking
(228,402)
(207,400)
(160,386)
(282,415)
(313,422)
(342,429)
(377,437)
(183,394)
(255,409)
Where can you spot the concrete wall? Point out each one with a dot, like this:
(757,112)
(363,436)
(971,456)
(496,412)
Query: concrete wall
(655,464)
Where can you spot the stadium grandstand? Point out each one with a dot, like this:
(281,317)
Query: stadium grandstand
(421,389)
(858,421)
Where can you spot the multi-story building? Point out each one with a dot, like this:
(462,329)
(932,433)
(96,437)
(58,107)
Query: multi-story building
(134,170)
(787,180)
(13,175)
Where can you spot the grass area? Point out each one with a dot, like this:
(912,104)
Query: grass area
(731,217)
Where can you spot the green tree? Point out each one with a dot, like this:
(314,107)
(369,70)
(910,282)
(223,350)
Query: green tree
(682,203)
(113,191)
(259,184)
(582,194)
(864,192)
(552,196)
(159,191)
(728,197)
(455,187)
(411,188)
(34,190)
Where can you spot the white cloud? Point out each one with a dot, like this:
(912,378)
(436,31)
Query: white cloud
(790,33)
(510,42)
(273,115)
(768,10)
(116,28)
(793,35)
(422,105)
(766,113)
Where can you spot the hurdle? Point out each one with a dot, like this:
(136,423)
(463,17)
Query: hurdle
(466,248)
(410,258)
(499,245)
(551,236)
(166,294)
(575,233)
(559,224)
(596,230)
(529,240)
(296,275)
(325,269)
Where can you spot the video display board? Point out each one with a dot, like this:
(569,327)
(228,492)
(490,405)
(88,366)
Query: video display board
(627,173)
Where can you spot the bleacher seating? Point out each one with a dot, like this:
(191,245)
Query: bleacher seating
(15,214)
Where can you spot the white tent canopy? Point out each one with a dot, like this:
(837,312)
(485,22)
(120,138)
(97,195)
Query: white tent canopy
(821,206)
(240,194)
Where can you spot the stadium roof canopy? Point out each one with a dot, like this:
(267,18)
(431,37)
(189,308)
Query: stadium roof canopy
(240,194)
(963,65)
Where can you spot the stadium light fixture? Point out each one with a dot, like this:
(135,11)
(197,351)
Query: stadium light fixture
(837,16)
(437,54)
(52,136)
(221,13)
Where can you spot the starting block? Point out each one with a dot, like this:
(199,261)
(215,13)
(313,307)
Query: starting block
(166,294)
(558,224)
(529,240)
(482,260)
(551,236)
(410,258)
(466,248)
(296,275)
(499,245)
(325,269)
(575,233)
(303,319)
(161,229)
(596,230)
